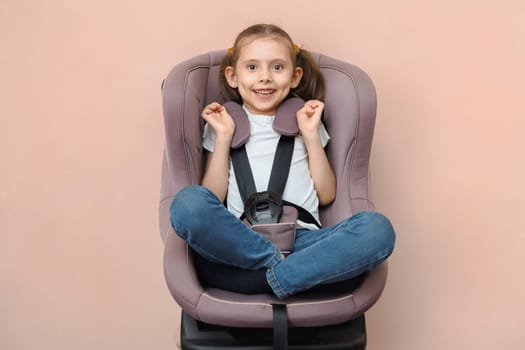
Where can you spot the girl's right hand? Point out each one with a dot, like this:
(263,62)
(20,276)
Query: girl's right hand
(219,119)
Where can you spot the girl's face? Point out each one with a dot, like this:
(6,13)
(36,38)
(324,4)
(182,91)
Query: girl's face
(264,74)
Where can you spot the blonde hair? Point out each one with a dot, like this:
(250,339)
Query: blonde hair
(311,85)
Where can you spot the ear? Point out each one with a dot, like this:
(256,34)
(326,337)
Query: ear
(231,77)
(296,77)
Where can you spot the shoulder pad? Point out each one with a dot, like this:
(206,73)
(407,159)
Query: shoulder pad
(285,122)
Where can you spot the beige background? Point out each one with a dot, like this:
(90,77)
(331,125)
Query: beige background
(81,138)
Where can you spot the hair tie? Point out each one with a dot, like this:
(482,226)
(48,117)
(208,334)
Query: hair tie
(230,51)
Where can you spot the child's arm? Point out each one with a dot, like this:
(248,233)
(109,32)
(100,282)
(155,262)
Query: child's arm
(217,165)
(309,120)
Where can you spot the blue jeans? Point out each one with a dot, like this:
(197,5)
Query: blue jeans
(331,254)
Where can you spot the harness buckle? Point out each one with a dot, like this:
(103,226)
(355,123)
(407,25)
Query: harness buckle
(263,208)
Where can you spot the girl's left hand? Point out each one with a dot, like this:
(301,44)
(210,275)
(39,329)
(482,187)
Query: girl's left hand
(309,117)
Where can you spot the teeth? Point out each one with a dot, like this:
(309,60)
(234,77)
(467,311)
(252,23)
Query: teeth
(264,92)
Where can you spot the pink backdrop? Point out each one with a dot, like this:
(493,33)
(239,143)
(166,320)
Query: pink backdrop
(81,139)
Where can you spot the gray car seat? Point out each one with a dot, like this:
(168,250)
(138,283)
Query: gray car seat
(349,118)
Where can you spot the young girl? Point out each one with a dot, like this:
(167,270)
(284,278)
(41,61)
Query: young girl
(264,68)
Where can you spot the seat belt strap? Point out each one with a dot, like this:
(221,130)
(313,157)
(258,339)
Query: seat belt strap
(303,214)
(243,172)
(280,168)
(281,165)
(279,175)
(280,327)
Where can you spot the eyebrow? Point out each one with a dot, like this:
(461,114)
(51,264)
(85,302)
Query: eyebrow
(273,60)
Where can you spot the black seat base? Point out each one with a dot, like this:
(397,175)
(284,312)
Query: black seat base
(196,335)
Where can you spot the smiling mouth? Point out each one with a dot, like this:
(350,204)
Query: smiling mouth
(264,92)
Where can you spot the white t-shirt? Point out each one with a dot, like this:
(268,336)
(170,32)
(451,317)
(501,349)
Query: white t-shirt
(260,149)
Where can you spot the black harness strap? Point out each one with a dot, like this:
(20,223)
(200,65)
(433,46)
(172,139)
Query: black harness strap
(243,172)
(278,177)
(280,327)
(281,165)
(280,168)
(303,214)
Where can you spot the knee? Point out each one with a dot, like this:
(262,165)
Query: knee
(379,230)
(188,205)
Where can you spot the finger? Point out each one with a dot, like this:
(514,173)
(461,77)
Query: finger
(320,108)
(310,110)
(215,107)
(316,105)
(312,105)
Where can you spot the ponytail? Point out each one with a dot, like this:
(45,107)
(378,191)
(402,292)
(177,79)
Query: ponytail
(312,85)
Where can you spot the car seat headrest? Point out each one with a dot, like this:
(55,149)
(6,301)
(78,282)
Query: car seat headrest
(285,122)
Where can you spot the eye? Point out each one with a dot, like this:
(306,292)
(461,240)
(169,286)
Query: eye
(277,67)
(251,67)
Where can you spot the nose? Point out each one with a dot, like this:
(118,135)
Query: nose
(265,75)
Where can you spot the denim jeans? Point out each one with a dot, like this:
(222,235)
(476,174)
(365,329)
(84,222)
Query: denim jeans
(331,254)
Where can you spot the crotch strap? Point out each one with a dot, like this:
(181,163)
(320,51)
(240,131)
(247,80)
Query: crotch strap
(280,327)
